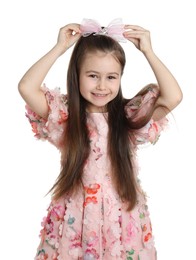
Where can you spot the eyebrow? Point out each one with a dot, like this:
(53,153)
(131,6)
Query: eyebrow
(93,71)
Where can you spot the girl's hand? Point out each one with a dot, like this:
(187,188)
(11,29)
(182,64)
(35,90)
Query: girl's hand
(139,36)
(68,35)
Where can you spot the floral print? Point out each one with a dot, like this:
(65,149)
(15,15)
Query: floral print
(94,223)
(51,129)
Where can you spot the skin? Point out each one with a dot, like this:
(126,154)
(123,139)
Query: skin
(29,85)
(100,78)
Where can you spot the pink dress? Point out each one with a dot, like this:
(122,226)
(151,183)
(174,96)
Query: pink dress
(94,224)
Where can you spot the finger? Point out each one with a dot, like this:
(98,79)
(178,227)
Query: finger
(76,28)
(134,41)
(73,27)
(134,34)
(134,27)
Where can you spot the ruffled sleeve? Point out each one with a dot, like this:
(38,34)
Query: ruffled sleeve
(138,108)
(150,132)
(51,129)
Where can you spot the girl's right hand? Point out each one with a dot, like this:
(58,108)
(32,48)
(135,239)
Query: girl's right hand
(68,35)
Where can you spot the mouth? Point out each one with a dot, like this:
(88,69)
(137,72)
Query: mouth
(99,95)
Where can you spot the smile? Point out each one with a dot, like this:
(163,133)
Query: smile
(99,95)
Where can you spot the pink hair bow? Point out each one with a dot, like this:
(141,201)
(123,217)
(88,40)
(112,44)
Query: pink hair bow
(115,29)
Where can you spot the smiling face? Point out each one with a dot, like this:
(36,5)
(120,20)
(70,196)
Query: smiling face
(99,80)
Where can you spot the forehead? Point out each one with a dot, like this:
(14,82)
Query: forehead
(100,61)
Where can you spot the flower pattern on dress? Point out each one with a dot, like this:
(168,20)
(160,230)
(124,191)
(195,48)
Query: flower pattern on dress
(91,254)
(50,235)
(53,128)
(132,229)
(130,254)
(93,223)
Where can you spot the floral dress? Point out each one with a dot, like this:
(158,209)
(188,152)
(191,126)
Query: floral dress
(94,224)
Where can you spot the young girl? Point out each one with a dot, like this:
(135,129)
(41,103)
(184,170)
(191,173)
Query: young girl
(98,209)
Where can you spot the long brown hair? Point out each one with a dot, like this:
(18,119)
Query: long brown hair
(76,145)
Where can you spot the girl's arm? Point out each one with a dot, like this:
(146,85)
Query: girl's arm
(170,92)
(29,85)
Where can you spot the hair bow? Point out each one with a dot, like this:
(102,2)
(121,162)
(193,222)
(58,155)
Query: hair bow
(115,29)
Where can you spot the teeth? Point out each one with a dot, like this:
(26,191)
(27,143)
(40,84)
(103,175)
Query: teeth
(100,95)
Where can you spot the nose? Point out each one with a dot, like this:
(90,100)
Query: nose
(101,85)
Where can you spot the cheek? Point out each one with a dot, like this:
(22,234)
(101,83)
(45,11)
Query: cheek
(85,84)
(82,86)
(82,91)
(116,88)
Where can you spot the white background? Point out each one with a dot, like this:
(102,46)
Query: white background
(28,29)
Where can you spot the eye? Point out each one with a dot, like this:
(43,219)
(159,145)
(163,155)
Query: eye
(94,76)
(111,77)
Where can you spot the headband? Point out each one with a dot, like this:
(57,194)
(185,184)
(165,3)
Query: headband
(114,29)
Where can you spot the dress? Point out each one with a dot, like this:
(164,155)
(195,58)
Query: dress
(94,224)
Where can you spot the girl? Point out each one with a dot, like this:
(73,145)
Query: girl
(98,209)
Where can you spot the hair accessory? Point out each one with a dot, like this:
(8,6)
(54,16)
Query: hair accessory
(115,29)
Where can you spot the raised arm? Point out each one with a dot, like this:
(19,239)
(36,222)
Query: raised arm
(170,92)
(29,85)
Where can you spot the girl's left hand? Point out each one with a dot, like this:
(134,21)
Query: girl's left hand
(139,36)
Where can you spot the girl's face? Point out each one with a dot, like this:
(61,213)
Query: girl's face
(99,80)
